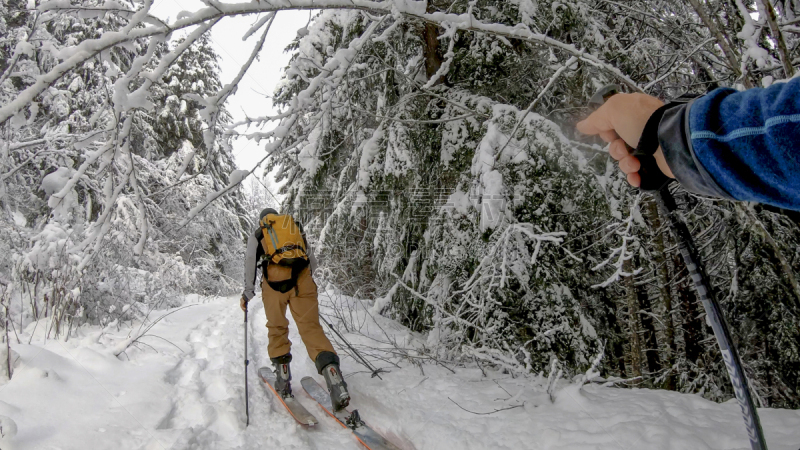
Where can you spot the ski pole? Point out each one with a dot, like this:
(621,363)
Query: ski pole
(375,372)
(246,363)
(669,208)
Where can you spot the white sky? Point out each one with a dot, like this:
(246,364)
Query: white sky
(258,85)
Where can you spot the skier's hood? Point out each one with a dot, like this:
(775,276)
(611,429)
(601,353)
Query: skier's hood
(266,211)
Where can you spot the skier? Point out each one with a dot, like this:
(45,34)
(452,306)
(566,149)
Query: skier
(287,264)
(727,144)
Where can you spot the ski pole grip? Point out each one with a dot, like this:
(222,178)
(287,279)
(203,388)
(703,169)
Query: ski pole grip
(649,172)
(603,94)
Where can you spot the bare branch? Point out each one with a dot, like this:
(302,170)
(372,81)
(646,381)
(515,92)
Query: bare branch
(485,413)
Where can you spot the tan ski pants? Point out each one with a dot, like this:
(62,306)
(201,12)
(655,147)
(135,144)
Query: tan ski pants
(302,301)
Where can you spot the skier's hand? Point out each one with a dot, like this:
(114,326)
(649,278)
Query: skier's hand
(620,122)
(243,303)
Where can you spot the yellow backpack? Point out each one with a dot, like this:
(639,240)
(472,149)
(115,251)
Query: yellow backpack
(283,240)
(285,245)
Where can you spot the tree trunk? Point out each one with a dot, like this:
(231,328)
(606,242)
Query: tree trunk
(617,344)
(662,276)
(633,322)
(648,326)
(433,57)
(692,320)
(619,359)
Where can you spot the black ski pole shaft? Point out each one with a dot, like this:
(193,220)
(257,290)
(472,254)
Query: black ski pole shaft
(668,207)
(246,363)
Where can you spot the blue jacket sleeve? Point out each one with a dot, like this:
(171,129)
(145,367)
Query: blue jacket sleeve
(738,145)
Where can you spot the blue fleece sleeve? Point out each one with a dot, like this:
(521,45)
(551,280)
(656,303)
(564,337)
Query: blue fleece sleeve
(748,142)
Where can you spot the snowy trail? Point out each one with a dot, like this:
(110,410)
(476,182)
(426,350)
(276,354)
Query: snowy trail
(183,389)
(189,395)
(208,405)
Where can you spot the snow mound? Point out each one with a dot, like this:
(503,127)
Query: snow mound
(56,181)
(8,428)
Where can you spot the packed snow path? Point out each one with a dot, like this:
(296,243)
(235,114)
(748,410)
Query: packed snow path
(182,388)
(190,395)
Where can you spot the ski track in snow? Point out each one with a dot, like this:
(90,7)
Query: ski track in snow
(208,405)
(184,389)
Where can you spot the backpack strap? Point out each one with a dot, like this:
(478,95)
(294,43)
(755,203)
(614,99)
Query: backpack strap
(271,232)
(286,248)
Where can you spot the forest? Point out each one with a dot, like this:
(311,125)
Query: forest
(428,147)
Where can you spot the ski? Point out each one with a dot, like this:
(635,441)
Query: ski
(297,410)
(347,418)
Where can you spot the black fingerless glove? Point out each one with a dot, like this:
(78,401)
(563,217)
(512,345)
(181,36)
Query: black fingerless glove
(652,177)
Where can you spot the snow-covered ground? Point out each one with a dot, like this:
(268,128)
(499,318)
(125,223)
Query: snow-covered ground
(182,388)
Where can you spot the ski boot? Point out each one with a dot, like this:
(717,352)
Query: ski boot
(328,365)
(283,375)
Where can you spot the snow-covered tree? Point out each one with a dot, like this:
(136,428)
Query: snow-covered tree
(94,220)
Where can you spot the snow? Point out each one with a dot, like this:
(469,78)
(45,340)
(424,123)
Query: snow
(750,34)
(369,152)
(382,303)
(56,181)
(188,155)
(257,25)
(57,186)
(493,200)
(24,48)
(19,218)
(308,155)
(8,428)
(183,388)
(459,202)
(237,176)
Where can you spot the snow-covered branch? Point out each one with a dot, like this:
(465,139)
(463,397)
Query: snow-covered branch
(73,57)
(622,253)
